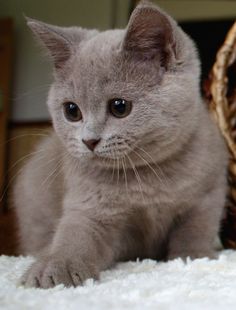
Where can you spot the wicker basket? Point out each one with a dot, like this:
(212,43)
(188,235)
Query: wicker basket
(223,107)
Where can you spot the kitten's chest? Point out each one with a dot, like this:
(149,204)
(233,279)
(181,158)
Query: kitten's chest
(137,187)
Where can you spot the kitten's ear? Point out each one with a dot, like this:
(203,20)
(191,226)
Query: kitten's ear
(149,34)
(60,42)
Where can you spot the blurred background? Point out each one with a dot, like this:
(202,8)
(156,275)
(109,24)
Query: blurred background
(25,75)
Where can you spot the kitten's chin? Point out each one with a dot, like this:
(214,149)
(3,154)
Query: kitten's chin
(115,161)
(83,156)
(99,158)
(128,159)
(107,160)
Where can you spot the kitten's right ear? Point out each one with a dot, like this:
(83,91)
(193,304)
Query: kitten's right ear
(149,34)
(60,42)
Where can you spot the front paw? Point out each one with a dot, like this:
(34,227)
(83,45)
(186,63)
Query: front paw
(51,271)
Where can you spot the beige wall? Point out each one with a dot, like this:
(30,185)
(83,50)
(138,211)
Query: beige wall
(198,9)
(32,73)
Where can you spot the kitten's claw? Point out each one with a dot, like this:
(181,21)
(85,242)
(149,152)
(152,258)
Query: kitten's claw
(47,273)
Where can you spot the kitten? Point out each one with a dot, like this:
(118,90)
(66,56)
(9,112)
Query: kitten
(135,166)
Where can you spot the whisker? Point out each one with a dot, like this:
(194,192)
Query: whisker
(153,170)
(22,158)
(23,136)
(118,165)
(137,176)
(125,175)
(55,174)
(9,183)
(113,166)
(54,171)
(109,161)
(147,163)
(168,183)
(118,170)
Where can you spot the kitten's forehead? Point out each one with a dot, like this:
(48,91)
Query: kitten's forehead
(96,60)
(99,62)
(105,41)
(101,49)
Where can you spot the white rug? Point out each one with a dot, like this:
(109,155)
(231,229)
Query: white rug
(199,284)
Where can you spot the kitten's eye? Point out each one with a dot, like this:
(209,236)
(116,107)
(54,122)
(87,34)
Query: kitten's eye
(72,112)
(119,107)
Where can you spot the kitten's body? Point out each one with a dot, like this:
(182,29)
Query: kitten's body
(163,199)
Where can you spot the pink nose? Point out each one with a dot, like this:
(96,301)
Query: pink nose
(91,144)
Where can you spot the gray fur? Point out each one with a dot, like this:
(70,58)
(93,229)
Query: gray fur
(155,184)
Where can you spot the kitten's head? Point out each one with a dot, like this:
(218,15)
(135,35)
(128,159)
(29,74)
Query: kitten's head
(120,93)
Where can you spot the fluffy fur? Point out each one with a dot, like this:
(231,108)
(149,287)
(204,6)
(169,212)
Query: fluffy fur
(155,184)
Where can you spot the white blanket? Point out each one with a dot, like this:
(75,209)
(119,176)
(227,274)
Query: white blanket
(199,284)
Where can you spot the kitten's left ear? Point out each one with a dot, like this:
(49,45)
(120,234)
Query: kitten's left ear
(150,34)
(60,42)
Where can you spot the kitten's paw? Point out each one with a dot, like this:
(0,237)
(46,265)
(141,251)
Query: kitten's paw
(49,272)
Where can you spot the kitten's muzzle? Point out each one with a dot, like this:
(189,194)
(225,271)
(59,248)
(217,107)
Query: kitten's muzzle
(91,143)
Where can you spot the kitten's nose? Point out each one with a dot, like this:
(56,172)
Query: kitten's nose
(91,144)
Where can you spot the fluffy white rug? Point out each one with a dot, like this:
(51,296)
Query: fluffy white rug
(199,284)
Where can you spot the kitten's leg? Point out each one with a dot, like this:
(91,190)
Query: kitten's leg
(37,198)
(83,245)
(195,232)
(36,222)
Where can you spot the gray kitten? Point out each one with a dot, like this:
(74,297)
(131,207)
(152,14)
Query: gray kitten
(135,167)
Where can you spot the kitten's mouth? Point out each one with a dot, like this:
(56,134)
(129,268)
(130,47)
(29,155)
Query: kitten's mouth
(118,151)
(110,156)
(103,156)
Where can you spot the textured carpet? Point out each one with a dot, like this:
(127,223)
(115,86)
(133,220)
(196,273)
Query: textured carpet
(198,284)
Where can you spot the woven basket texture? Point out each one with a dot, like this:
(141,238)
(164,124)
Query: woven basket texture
(221,99)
